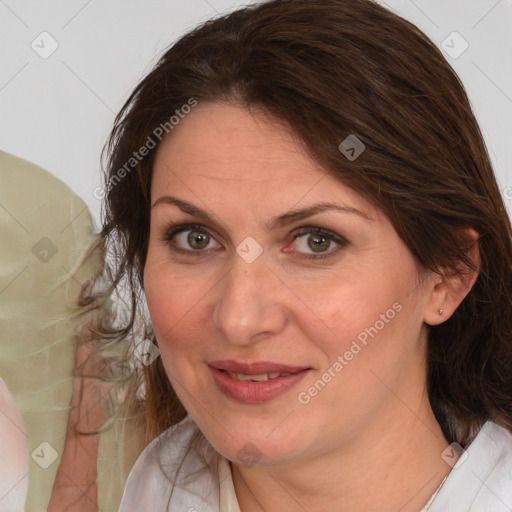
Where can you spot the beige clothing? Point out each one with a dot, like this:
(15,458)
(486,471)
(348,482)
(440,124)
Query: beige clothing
(13,455)
(45,232)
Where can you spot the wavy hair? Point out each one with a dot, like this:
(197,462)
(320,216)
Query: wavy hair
(328,69)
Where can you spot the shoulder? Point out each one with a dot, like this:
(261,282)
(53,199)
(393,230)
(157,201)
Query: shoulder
(482,478)
(173,469)
(498,443)
(493,444)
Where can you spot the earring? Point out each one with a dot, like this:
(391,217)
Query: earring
(441,312)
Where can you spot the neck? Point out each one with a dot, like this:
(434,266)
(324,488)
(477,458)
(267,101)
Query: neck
(394,464)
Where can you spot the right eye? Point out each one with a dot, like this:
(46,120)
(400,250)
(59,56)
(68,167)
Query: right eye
(190,238)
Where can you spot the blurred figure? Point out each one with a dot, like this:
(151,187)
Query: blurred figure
(49,267)
(13,455)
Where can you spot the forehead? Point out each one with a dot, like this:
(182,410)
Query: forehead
(223,138)
(227,153)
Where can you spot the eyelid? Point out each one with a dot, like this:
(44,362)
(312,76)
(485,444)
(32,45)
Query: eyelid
(341,241)
(175,229)
(304,230)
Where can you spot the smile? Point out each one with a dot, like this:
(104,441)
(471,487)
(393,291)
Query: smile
(255,388)
(257,378)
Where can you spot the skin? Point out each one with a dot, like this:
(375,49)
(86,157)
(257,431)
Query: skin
(75,488)
(369,440)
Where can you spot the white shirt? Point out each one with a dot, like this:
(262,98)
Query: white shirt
(13,455)
(480,483)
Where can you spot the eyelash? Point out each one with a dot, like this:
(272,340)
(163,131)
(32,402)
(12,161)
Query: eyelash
(311,230)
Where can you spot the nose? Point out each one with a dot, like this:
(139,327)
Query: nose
(250,302)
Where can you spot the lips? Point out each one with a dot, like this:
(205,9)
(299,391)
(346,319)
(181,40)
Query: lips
(257,368)
(254,383)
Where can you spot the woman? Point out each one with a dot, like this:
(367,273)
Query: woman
(301,193)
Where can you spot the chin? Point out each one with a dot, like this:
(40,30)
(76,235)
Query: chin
(249,446)
(252,453)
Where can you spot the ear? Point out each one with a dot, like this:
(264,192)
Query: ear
(450,289)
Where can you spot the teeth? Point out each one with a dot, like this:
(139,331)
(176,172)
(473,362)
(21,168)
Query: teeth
(257,378)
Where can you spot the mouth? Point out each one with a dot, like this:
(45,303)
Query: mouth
(259,377)
(256,368)
(255,383)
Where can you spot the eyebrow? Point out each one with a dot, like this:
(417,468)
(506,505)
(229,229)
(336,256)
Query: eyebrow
(279,221)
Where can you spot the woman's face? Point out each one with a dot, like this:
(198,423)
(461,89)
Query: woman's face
(248,285)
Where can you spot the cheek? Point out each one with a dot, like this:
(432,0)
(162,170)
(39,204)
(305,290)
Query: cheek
(365,327)
(371,344)
(176,307)
(342,309)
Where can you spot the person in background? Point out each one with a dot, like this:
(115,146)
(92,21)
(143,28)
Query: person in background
(51,300)
(13,455)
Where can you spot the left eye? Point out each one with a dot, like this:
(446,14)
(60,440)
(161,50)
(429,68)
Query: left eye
(318,241)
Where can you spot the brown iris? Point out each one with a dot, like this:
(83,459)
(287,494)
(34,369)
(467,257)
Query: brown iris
(198,240)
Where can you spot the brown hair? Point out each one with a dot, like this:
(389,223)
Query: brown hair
(328,69)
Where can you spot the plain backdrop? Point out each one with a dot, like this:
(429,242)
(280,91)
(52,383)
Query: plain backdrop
(66,68)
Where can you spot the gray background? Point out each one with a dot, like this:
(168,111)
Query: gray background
(57,111)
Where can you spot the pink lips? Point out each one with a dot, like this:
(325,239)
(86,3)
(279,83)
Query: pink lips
(255,392)
(255,368)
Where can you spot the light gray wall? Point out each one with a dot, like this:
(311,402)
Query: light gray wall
(57,111)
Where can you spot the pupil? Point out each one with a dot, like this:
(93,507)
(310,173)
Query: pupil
(197,240)
(317,243)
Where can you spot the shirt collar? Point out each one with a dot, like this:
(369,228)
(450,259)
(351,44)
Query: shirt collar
(482,477)
(227,497)
(480,480)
